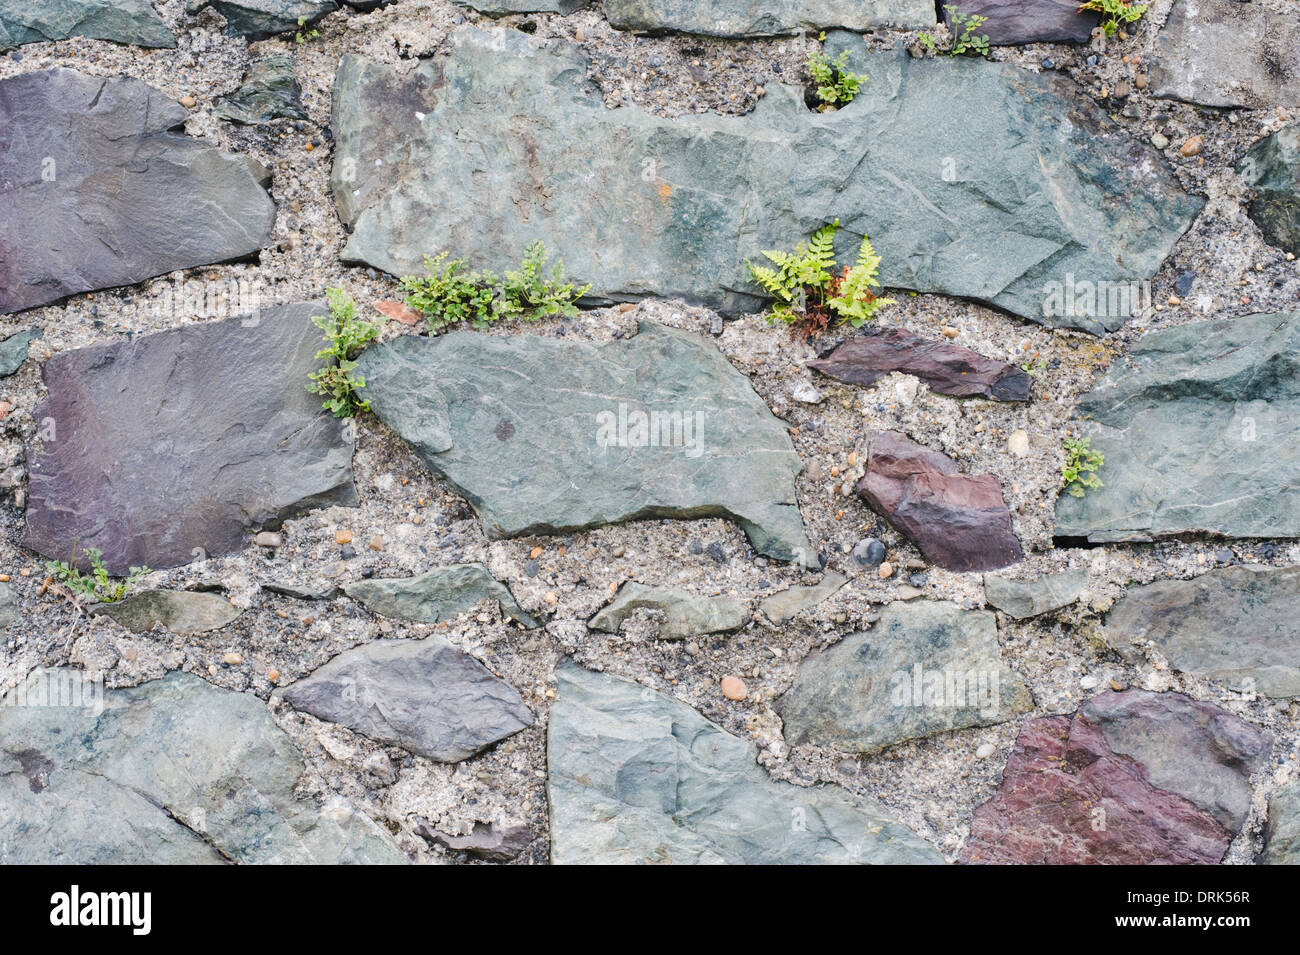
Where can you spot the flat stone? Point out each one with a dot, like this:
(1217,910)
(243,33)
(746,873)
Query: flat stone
(1282,830)
(13,350)
(785,605)
(948,369)
(268,91)
(177,445)
(442,593)
(958,521)
(174,771)
(1023,599)
(498,8)
(634,776)
(122,21)
(106,190)
(1239,625)
(540,434)
(1200,429)
(925,667)
(423,695)
(1001,156)
(484,842)
(1272,166)
(11,613)
(1013,22)
(685,614)
(303,591)
(1224,53)
(756,18)
(259,19)
(180,611)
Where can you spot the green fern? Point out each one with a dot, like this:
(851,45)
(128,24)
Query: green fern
(854,302)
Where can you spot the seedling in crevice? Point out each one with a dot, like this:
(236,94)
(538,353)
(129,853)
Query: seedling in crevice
(96,585)
(835,83)
(1115,13)
(346,336)
(964,39)
(1079,472)
(303,35)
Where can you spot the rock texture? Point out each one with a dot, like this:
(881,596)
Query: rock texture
(13,350)
(1224,53)
(541,435)
(1200,428)
(636,777)
(784,606)
(1023,599)
(1003,158)
(684,614)
(1239,625)
(1012,22)
(437,595)
(504,7)
(425,696)
(122,21)
(259,19)
(102,189)
(1133,778)
(753,18)
(172,446)
(948,369)
(11,614)
(1282,830)
(179,611)
(925,667)
(175,771)
(483,842)
(269,91)
(1272,166)
(958,521)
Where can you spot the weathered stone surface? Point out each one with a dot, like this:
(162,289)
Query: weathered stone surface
(1200,428)
(685,614)
(958,521)
(504,7)
(539,434)
(784,606)
(634,776)
(926,667)
(122,21)
(183,441)
(484,842)
(180,611)
(421,165)
(1282,830)
(1224,53)
(175,771)
(1012,22)
(1023,599)
(1272,166)
(13,350)
(258,19)
(749,18)
(1240,625)
(436,595)
(11,614)
(269,91)
(948,369)
(425,696)
(103,190)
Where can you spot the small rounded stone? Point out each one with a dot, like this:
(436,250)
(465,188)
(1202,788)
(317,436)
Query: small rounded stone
(869,552)
(886,570)
(733,688)
(985,751)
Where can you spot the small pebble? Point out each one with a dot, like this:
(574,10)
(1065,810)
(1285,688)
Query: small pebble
(886,570)
(1159,140)
(733,688)
(343,537)
(377,542)
(869,552)
(232,659)
(1018,442)
(985,750)
(1192,147)
(268,539)
(188,102)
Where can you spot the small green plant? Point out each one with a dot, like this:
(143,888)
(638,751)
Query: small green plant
(1115,13)
(1079,472)
(448,294)
(1034,367)
(807,290)
(345,336)
(95,585)
(303,35)
(836,84)
(964,38)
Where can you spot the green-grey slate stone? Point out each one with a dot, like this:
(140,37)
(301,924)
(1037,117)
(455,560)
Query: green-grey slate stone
(784,606)
(924,668)
(1239,625)
(1282,830)
(973,178)
(1200,429)
(494,8)
(180,611)
(11,614)
(436,595)
(753,18)
(259,19)
(269,91)
(685,614)
(123,21)
(1272,166)
(637,777)
(13,350)
(514,423)
(1023,599)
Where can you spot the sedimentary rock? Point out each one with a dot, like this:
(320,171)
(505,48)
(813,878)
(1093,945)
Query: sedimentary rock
(1023,599)
(1272,166)
(925,667)
(1200,429)
(634,776)
(749,18)
(179,611)
(685,614)
(268,91)
(496,844)
(958,521)
(1012,22)
(122,21)
(948,369)
(547,435)
(13,350)
(102,189)
(177,445)
(967,175)
(1282,830)
(423,695)
(504,7)
(785,605)
(258,19)
(175,771)
(436,595)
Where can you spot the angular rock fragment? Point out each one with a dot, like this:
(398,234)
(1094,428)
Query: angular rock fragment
(1013,22)
(958,521)
(436,595)
(103,190)
(423,695)
(948,369)
(179,611)
(132,22)
(1239,625)
(1200,429)
(269,91)
(967,175)
(11,614)
(504,7)
(548,436)
(176,445)
(1272,166)
(484,842)
(685,614)
(926,667)
(755,18)
(175,771)
(785,605)
(1023,599)
(634,776)
(13,350)
(1282,830)
(259,19)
